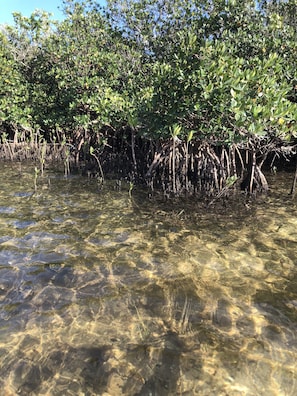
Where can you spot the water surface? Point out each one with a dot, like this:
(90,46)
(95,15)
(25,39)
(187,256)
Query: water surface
(103,294)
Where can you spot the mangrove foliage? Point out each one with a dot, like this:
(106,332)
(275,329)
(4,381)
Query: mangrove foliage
(186,96)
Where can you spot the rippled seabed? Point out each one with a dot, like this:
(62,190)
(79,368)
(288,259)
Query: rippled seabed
(101,294)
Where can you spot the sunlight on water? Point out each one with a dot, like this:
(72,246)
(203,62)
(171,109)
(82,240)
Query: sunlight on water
(101,294)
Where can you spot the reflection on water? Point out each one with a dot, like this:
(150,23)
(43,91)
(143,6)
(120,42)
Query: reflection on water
(101,294)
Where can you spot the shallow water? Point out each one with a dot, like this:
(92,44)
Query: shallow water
(101,294)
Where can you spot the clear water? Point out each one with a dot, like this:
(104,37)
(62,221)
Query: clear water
(101,294)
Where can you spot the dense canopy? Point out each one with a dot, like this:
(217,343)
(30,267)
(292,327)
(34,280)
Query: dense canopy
(190,95)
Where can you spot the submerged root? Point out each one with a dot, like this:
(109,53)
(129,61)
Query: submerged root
(172,166)
(183,168)
(210,170)
(32,151)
